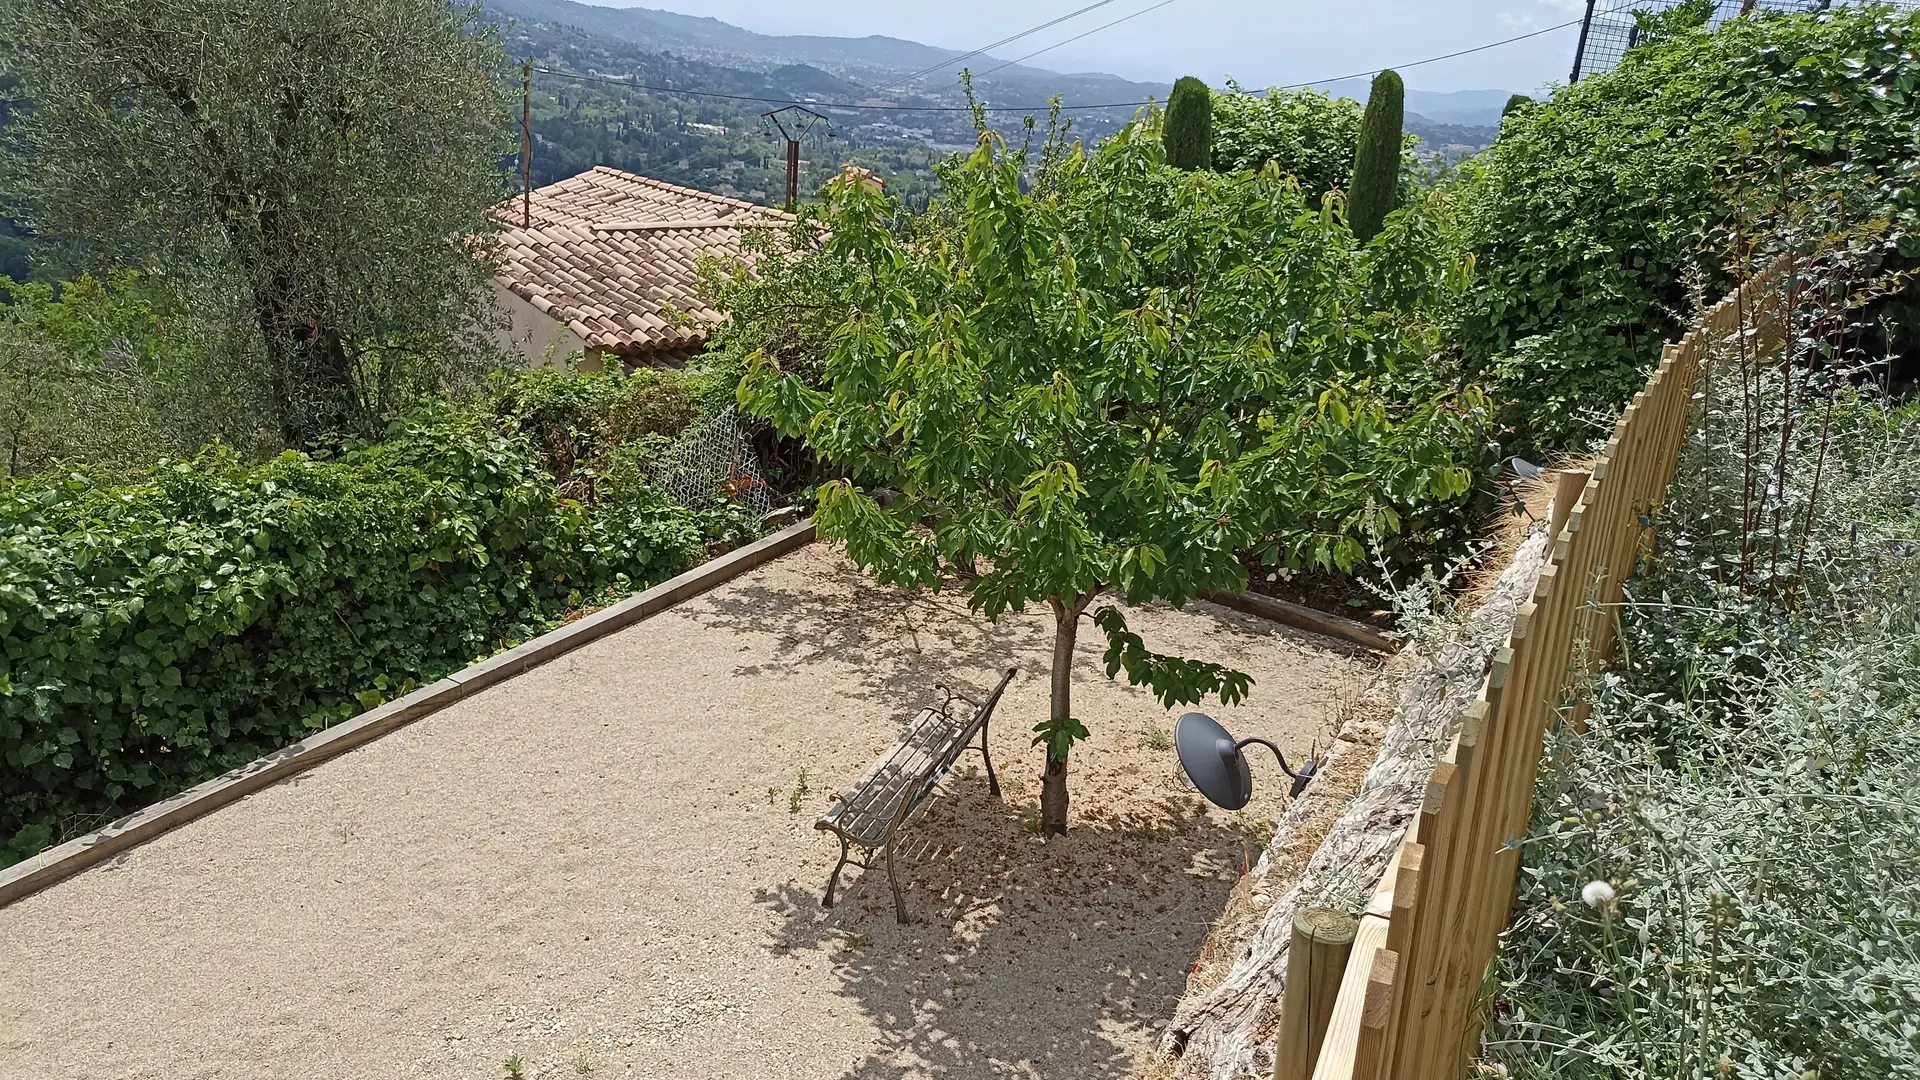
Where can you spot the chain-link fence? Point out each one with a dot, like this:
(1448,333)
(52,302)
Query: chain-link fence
(1608,31)
(713,463)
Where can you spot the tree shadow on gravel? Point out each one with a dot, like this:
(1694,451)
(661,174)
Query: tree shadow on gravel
(1059,960)
(907,643)
(1022,959)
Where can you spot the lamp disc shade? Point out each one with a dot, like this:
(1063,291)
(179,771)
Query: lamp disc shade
(1212,761)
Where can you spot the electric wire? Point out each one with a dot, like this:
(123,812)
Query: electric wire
(1076,37)
(905,79)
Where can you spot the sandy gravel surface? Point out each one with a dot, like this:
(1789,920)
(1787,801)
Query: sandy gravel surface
(607,868)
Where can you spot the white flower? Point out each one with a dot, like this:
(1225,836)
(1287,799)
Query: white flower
(1597,894)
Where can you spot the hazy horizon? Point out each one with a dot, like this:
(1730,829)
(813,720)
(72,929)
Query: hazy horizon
(1270,43)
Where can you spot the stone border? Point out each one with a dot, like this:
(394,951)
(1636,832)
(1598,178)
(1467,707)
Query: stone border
(56,864)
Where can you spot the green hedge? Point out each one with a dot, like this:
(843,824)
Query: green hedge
(1597,210)
(155,634)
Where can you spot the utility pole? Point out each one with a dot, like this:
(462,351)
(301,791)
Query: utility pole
(793,122)
(526,144)
(1580,50)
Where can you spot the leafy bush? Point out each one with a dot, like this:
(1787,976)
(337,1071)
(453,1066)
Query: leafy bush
(158,632)
(1594,213)
(1304,133)
(596,431)
(1747,792)
(114,374)
(1720,874)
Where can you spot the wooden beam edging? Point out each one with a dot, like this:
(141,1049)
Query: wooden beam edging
(57,864)
(1305,618)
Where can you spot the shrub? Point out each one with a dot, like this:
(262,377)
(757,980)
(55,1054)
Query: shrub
(1304,133)
(1376,161)
(114,374)
(1746,788)
(595,428)
(158,632)
(1595,211)
(1188,130)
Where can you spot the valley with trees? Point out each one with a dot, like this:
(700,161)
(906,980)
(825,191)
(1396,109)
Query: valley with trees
(267,466)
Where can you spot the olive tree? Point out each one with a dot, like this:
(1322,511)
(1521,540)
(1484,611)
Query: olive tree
(322,167)
(1110,383)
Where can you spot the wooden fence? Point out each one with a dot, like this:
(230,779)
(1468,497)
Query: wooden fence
(1408,1005)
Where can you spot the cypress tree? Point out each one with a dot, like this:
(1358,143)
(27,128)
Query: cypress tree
(1375,190)
(1188,130)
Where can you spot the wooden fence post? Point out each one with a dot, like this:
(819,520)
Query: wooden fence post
(1316,962)
(1567,486)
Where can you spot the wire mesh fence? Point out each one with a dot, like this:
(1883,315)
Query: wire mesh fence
(713,463)
(1609,30)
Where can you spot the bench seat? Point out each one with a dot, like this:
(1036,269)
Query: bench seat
(875,808)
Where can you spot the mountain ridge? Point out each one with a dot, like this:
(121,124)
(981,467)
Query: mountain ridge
(874,60)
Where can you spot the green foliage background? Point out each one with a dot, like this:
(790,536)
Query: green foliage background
(156,632)
(1594,216)
(118,373)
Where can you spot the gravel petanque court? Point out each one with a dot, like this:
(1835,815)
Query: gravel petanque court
(606,867)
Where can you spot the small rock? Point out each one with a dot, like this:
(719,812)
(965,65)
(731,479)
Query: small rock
(782,517)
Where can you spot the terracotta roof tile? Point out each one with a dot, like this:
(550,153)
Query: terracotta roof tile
(615,287)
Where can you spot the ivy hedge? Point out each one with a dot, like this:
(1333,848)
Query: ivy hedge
(1597,211)
(157,633)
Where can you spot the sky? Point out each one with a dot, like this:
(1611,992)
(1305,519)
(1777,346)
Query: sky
(1258,42)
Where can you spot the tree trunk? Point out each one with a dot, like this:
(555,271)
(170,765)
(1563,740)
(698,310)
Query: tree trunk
(1053,782)
(313,382)
(313,385)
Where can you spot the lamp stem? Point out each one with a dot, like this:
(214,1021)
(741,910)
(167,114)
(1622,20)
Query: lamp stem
(1284,767)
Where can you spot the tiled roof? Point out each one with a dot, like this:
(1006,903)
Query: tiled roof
(614,256)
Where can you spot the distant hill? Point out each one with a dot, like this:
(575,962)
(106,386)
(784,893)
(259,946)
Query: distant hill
(874,61)
(1470,108)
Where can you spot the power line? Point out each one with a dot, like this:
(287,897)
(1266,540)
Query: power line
(1436,59)
(1077,37)
(905,79)
(631,84)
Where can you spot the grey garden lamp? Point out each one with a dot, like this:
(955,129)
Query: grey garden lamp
(1214,763)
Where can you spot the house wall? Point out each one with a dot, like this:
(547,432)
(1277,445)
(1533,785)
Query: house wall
(539,339)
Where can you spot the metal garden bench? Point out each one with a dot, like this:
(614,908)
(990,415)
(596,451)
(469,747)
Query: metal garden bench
(872,812)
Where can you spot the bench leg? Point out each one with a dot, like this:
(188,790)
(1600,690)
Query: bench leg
(993,782)
(899,905)
(834,881)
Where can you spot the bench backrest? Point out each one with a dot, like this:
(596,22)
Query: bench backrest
(937,768)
